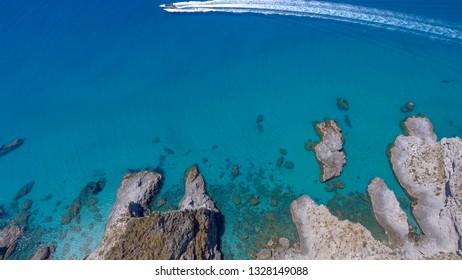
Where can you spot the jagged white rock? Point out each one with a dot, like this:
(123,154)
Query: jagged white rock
(195,196)
(329,151)
(323,236)
(133,232)
(429,171)
(431,174)
(388,213)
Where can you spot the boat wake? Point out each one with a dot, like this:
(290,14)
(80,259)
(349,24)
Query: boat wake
(326,10)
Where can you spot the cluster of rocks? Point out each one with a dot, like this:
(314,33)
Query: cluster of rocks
(87,197)
(17,226)
(431,174)
(13,145)
(329,151)
(282,162)
(134,232)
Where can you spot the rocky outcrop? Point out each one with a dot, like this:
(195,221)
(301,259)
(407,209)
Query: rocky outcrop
(13,145)
(44,253)
(8,237)
(431,174)
(323,236)
(194,193)
(329,151)
(388,212)
(132,232)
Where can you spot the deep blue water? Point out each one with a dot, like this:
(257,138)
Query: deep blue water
(99,87)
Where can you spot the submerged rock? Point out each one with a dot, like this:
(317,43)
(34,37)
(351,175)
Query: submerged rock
(347,121)
(235,171)
(329,151)
(408,107)
(289,165)
(86,198)
(342,104)
(26,205)
(13,145)
(24,191)
(44,253)
(236,199)
(259,118)
(8,237)
(279,162)
(309,145)
(189,233)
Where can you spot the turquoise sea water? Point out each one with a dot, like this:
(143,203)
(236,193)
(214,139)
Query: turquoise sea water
(97,88)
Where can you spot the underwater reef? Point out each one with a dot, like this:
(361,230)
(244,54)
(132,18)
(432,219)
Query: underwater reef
(430,173)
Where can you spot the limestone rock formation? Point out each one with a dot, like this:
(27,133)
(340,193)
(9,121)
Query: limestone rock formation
(329,151)
(133,233)
(323,236)
(8,237)
(195,196)
(138,188)
(431,174)
(388,212)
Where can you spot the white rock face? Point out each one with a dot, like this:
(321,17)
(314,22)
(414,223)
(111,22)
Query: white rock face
(329,150)
(323,236)
(420,127)
(388,213)
(195,195)
(138,188)
(430,172)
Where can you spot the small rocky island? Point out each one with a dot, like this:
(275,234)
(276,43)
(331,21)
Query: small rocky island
(431,174)
(133,232)
(329,151)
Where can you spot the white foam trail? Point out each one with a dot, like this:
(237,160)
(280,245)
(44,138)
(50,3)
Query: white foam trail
(325,10)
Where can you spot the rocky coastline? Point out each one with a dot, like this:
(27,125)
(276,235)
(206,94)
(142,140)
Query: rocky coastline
(134,232)
(429,171)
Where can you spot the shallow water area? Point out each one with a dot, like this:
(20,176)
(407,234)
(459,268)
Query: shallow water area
(98,90)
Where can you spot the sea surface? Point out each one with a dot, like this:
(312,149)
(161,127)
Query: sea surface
(101,88)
